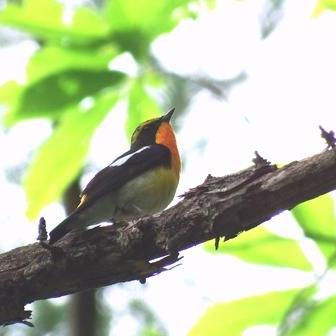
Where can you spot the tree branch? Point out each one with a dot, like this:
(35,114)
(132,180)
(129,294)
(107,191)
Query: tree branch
(221,206)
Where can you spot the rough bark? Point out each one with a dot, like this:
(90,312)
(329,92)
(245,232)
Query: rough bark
(221,206)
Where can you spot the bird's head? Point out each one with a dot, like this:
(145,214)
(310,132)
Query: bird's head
(153,131)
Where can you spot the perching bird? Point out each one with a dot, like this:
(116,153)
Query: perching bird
(140,182)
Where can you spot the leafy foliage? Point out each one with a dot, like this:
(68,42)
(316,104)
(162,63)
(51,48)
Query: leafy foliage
(318,319)
(44,20)
(71,67)
(295,312)
(318,221)
(263,247)
(56,93)
(324,5)
(69,81)
(66,149)
(234,317)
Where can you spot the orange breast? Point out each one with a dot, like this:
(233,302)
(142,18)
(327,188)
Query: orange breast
(165,136)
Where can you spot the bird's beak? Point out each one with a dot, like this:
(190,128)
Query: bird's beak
(168,115)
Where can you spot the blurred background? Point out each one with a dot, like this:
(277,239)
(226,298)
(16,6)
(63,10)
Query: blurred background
(76,78)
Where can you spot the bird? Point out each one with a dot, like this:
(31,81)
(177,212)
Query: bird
(140,182)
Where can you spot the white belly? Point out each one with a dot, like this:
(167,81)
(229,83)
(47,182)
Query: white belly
(146,195)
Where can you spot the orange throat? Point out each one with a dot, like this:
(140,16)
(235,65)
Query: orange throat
(165,136)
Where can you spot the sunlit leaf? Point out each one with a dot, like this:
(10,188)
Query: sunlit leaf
(61,157)
(49,96)
(211,3)
(322,5)
(88,22)
(150,331)
(261,246)
(318,221)
(234,317)
(318,321)
(9,93)
(136,23)
(141,106)
(52,59)
(142,14)
(44,19)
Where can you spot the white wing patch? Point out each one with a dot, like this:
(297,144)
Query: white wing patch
(122,160)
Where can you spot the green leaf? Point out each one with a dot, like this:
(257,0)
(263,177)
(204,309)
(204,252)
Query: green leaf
(261,246)
(141,107)
(144,20)
(61,157)
(44,19)
(234,317)
(9,95)
(150,331)
(211,4)
(318,221)
(50,96)
(134,41)
(143,14)
(52,59)
(318,321)
(9,92)
(90,23)
(324,5)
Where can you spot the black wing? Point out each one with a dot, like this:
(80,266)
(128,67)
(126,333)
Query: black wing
(126,167)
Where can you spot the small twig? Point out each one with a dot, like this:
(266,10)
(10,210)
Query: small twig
(217,239)
(329,137)
(42,230)
(43,237)
(259,161)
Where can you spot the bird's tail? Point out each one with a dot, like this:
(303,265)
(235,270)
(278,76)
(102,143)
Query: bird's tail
(68,224)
